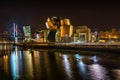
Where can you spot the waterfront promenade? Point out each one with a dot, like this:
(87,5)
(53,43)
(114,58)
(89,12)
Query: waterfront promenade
(111,47)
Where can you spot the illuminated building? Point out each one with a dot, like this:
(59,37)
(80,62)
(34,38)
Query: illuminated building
(59,30)
(111,35)
(40,36)
(84,33)
(51,36)
(66,28)
(93,37)
(75,37)
(27,33)
(52,25)
(45,36)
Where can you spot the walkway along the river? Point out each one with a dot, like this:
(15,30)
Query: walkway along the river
(86,47)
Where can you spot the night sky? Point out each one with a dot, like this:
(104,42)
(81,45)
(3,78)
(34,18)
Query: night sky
(96,15)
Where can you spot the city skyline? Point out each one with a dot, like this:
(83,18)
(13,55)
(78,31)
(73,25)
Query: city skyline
(97,16)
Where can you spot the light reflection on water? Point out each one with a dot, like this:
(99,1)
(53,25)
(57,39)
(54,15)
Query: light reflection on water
(81,66)
(97,72)
(36,63)
(52,65)
(67,66)
(27,65)
(14,65)
(6,63)
(116,73)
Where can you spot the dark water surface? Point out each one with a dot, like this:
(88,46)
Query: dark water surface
(31,64)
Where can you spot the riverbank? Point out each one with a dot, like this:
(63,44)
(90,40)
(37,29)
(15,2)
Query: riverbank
(68,46)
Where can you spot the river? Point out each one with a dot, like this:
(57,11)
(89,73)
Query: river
(55,64)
